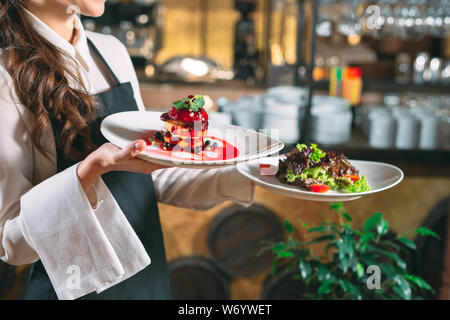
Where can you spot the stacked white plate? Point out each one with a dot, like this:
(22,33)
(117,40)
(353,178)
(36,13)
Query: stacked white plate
(363,113)
(284,109)
(246,112)
(381,128)
(331,120)
(429,127)
(288,95)
(220,117)
(407,130)
(444,128)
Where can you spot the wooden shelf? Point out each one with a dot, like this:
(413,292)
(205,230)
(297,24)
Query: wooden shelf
(374,85)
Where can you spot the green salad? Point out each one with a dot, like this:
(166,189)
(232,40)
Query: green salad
(320,171)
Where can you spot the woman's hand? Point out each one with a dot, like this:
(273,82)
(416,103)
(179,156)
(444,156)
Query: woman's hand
(108,158)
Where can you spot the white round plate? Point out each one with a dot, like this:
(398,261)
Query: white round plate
(380,176)
(124,127)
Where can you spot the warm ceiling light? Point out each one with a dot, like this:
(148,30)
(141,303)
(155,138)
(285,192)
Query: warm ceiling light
(195,67)
(354,39)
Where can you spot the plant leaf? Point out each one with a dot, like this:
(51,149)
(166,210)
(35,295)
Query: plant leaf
(321,239)
(305,268)
(264,249)
(391,244)
(336,205)
(347,216)
(388,270)
(304,224)
(317,229)
(399,292)
(280,246)
(408,243)
(383,227)
(345,249)
(359,270)
(344,285)
(292,243)
(324,288)
(350,289)
(366,237)
(297,277)
(323,273)
(393,256)
(288,226)
(427,232)
(369,258)
(404,287)
(285,254)
(372,221)
(398,260)
(421,283)
(345,255)
(274,267)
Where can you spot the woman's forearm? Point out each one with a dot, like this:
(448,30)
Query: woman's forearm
(88,173)
(111,158)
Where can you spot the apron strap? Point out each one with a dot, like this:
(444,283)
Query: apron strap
(115,79)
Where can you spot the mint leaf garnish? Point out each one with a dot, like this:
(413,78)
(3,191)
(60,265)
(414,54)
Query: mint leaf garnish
(192,102)
(179,104)
(197,102)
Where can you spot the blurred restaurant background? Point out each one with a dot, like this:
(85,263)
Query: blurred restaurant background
(370,79)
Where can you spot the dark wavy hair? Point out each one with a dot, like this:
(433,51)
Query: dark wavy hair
(41,83)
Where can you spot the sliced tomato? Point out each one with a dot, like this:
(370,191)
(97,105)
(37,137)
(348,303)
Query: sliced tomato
(267,169)
(320,188)
(352,177)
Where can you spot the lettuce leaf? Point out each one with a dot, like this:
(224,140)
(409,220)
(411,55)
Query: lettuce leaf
(360,185)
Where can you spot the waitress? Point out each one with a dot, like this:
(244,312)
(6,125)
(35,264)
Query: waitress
(83,211)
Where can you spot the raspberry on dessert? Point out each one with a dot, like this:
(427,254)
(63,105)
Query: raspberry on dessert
(186,123)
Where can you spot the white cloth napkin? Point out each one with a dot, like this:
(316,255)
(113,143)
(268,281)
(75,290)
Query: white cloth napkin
(82,250)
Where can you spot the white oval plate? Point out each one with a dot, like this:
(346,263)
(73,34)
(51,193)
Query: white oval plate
(124,127)
(380,176)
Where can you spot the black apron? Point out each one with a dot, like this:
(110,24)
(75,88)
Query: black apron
(134,192)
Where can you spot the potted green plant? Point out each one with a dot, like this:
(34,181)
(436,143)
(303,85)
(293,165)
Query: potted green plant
(356,264)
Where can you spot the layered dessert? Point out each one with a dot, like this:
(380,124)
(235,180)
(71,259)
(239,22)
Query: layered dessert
(185,126)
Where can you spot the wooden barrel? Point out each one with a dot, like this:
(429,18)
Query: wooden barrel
(428,260)
(235,236)
(7,274)
(282,286)
(198,278)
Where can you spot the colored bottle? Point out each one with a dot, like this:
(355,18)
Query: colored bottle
(352,85)
(336,82)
